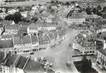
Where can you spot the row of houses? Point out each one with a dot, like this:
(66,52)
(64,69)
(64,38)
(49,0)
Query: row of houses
(28,37)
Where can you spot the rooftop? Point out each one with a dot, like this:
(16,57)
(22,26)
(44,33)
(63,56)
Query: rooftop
(34,39)
(6,44)
(6,22)
(21,40)
(21,62)
(17,41)
(26,39)
(6,36)
(10,60)
(12,27)
(33,26)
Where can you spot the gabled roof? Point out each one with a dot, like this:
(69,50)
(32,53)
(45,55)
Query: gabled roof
(34,39)
(55,33)
(6,22)
(33,26)
(6,44)
(44,40)
(26,39)
(10,60)
(6,36)
(17,40)
(21,40)
(12,27)
(51,35)
(2,54)
(21,62)
(41,24)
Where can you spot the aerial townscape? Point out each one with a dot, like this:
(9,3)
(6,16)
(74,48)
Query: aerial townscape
(52,36)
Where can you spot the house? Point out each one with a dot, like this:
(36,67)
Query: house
(6,22)
(6,37)
(11,29)
(44,40)
(48,26)
(85,43)
(51,36)
(77,18)
(32,28)
(34,40)
(23,30)
(17,41)
(22,43)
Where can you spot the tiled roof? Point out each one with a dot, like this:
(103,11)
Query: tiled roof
(17,40)
(12,27)
(33,26)
(10,60)
(55,33)
(6,22)
(22,30)
(21,62)
(24,23)
(51,35)
(44,40)
(22,40)
(34,39)
(6,44)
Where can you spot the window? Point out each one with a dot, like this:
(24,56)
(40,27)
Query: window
(34,49)
(98,62)
(90,51)
(26,51)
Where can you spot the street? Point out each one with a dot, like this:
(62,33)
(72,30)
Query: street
(61,53)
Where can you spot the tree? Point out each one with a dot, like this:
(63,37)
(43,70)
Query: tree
(86,65)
